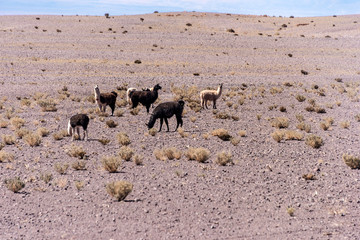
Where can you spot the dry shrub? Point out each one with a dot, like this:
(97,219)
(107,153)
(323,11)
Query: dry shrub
(79,185)
(319,109)
(21,132)
(79,165)
(235,118)
(111,163)
(121,103)
(172,152)
(310,108)
(345,124)
(61,168)
(119,189)
(221,133)
(76,151)
(14,184)
(222,115)
(300,98)
(304,127)
(152,131)
(352,161)
(280,122)
(278,135)
(126,153)
(123,139)
(290,211)
(182,132)
(43,132)
(25,102)
(241,101)
(119,113)
(293,135)
(282,109)
(325,125)
(357,118)
(309,176)
(3,124)
(199,154)
(32,139)
(60,135)
(300,117)
(160,154)
(224,158)
(6,157)
(8,139)
(17,122)
(47,105)
(192,118)
(104,141)
(111,124)
(138,159)
(46,177)
(242,133)
(314,141)
(235,141)
(135,111)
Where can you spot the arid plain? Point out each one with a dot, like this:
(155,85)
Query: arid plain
(286,81)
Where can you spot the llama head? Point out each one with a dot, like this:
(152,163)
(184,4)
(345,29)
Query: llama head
(157,87)
(96,88)
(221,85)
(151,121)
(114,93)
(181,103)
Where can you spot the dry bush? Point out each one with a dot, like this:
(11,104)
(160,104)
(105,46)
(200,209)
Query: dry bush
(242,133)
(314,141)
(224,158)
(345,124)
(32,139)
(138,159)
(75,151)
(111,163)
(119,189)
(62,182)
(300,117)
(102,115)
(47,105)
(241,101)
(123,139)
(6,157)
(152,131)
(172,152)
(309,176)
(8,139)
(119,113)
(222,115)
(79,165)
(61,168)
(199,154)
(310,108)
(319,109)
(325,125)
(17,122)
(104,141)
(275,90)
(235,118)
(290,211)
(135,111)
(46,177)
(235,141)
(304,127)
(60,135)
(357,118)
(352,161)
(25,102)
(42,131)
(300,98)
(126,153)
(21,132)
(121,103)
(221,133)
(193,119)
(3,124)
(160,154)
(278,135)
(14,184)
(111,124)
(79,185)
(280,122)
(182,132)
(282,109)
(293,135)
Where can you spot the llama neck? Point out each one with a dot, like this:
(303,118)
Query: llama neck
(218,92)
(151,121)
(97,93)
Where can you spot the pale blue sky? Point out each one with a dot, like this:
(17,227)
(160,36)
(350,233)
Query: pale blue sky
(299,8)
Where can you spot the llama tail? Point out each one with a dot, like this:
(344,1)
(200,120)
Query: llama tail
(70,129)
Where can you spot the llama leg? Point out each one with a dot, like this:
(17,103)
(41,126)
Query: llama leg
(206,104)
(178,122)
(85,135)
(214,106)
(112,106)
(161,123)
(72,134)
(78,132)
(167,124)
(148,107)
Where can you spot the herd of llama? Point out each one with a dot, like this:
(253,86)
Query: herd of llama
(146,97)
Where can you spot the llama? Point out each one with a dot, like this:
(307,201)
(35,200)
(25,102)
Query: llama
(77,121)
(210,95)
(146,98)
(104,99)
(167,110)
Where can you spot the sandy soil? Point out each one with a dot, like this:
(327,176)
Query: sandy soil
(259,60)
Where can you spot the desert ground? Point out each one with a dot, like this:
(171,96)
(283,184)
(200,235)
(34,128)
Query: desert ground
(288,83)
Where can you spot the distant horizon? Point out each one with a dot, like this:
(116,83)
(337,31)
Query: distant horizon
(304,8)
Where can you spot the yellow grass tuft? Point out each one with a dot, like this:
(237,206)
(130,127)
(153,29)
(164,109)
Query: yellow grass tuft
(119,189)
(352,161)
(199,154)
(123,139)
(111,163)
(126,153)
(224,158)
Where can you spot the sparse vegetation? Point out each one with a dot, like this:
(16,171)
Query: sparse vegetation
(123,139)
(111,163)
(119,189)
(182,132)
(152,131)
(32,139)
(8,139)
(199,154)
(75,151)
(314,141)
(79,165)
(224,158)
(61,168)
(280,122)
(60,135)
(221,133)
(14,184)
(6,157)
(126,153)
(352,161)
(111,124)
